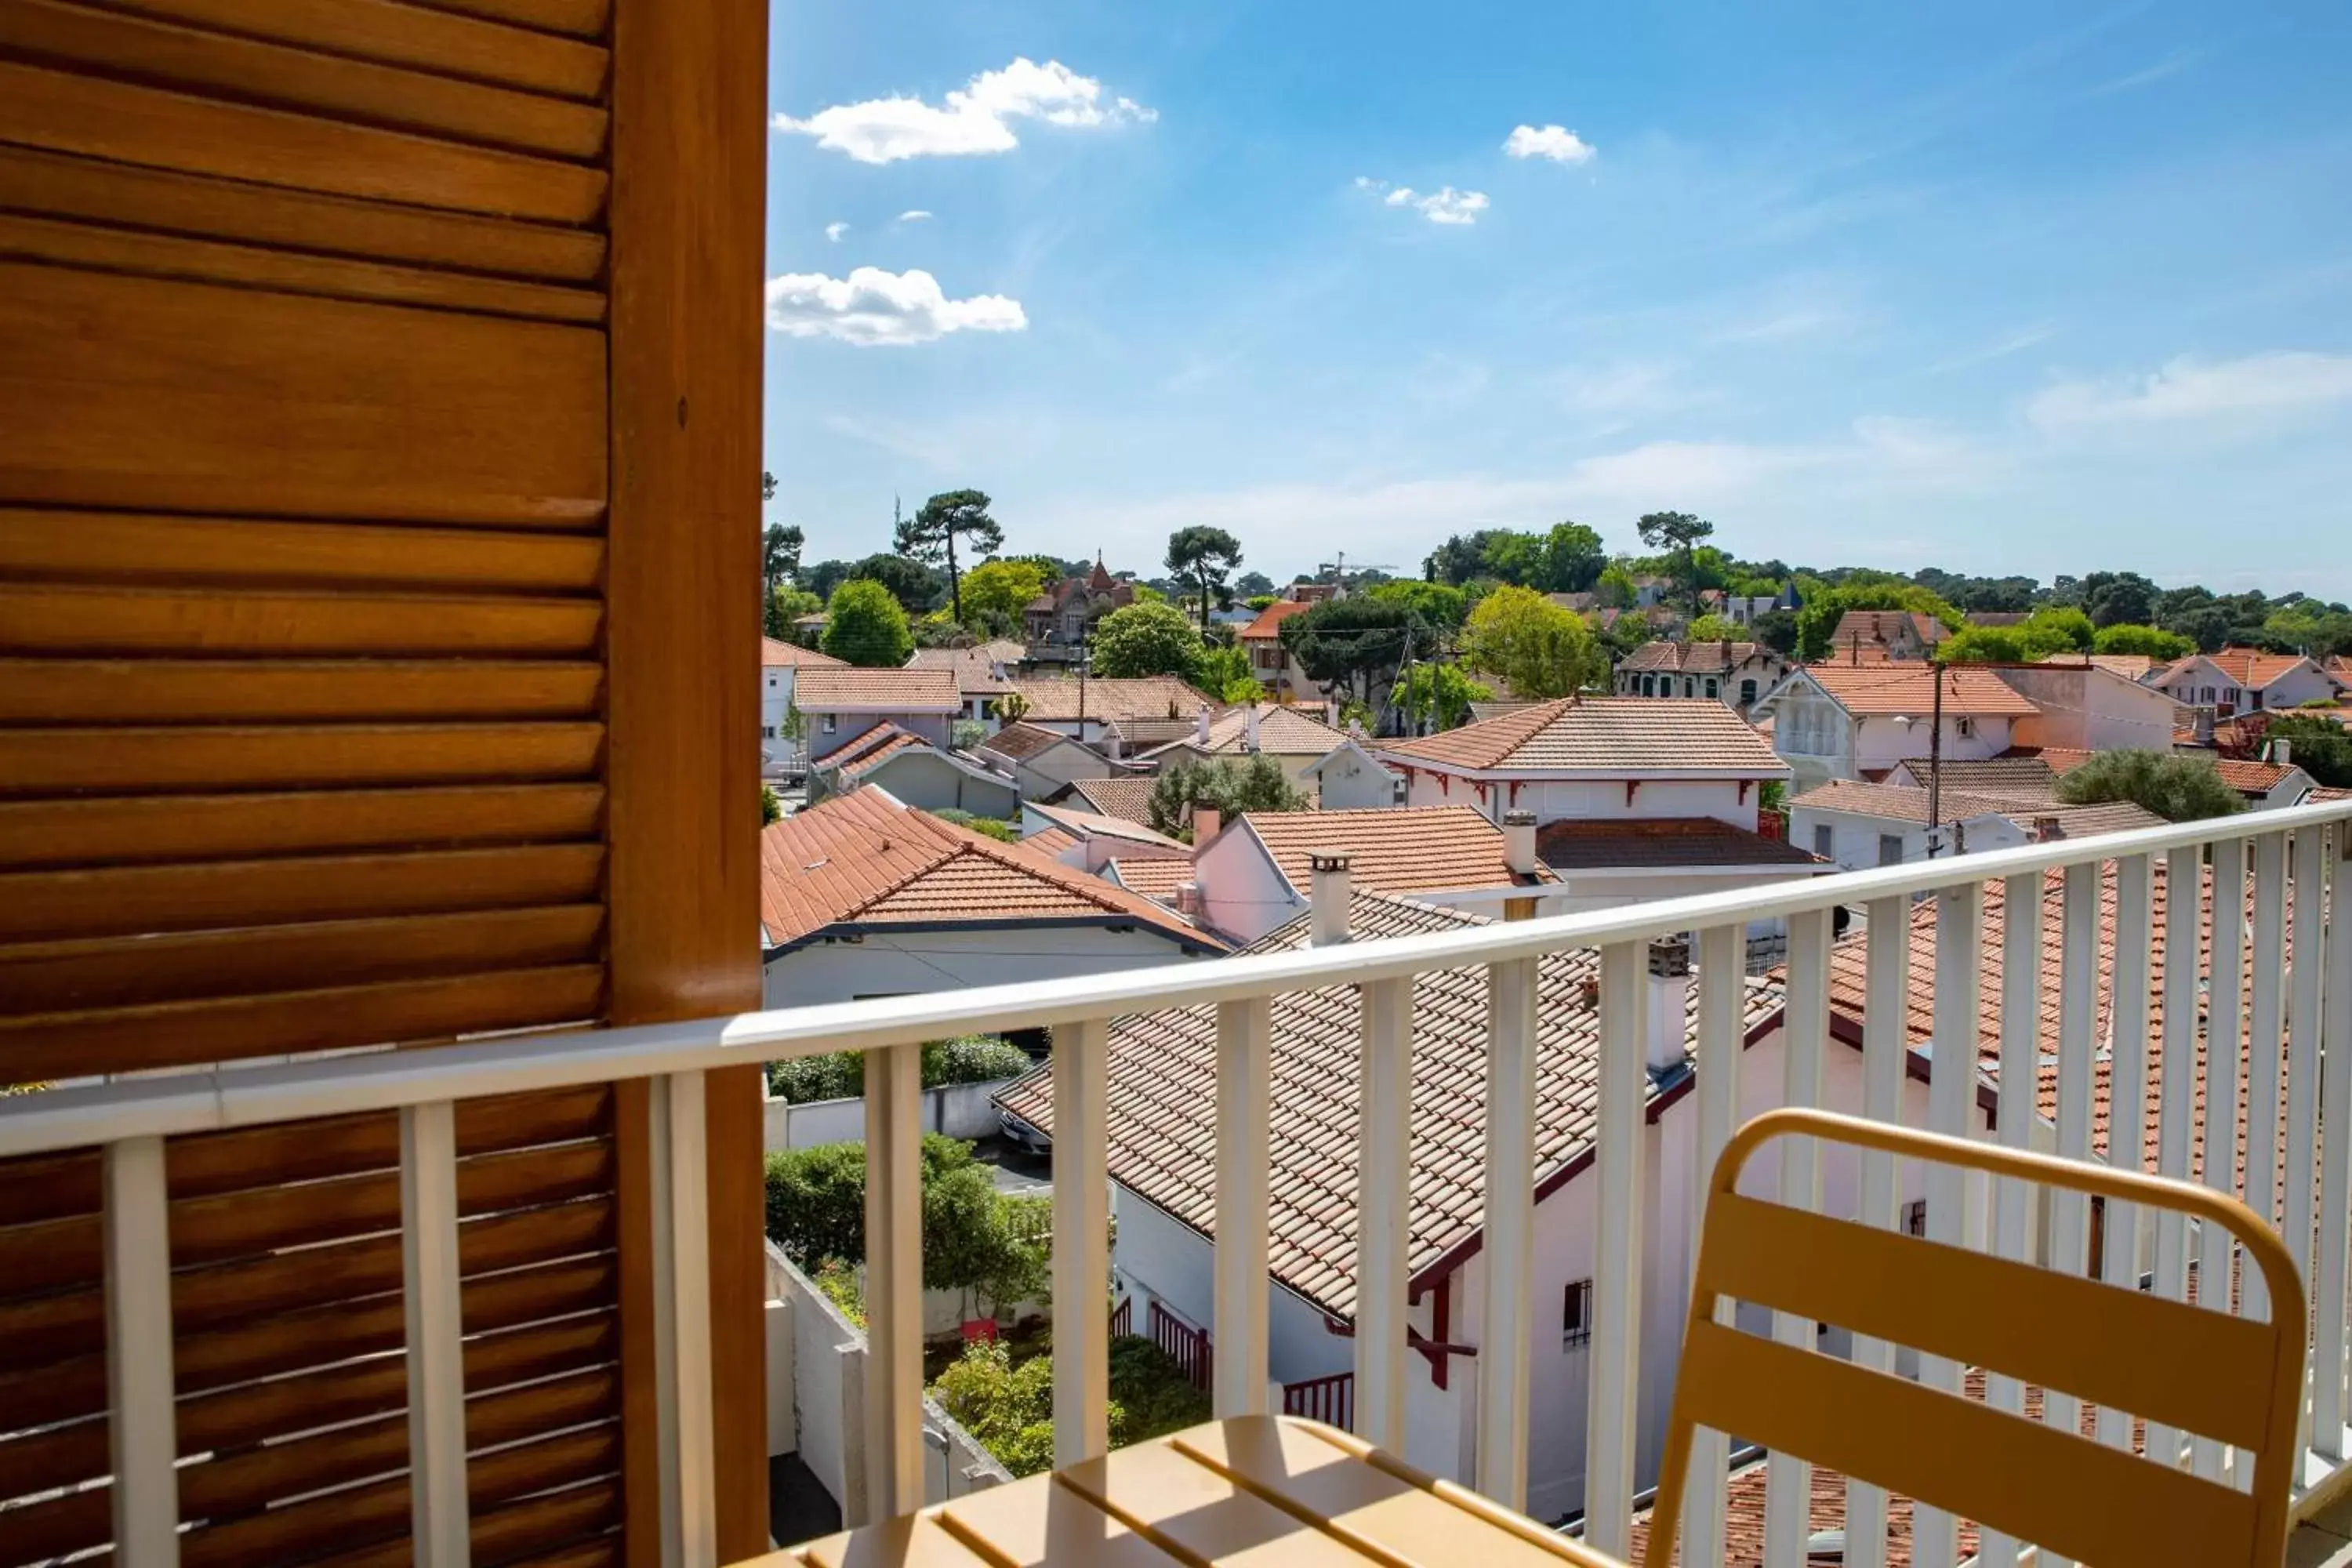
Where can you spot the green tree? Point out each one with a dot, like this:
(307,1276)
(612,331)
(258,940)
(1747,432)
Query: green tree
(1204,558)
(786,605)
(1533,645)
(1776,629)
(780,554)
(2148,640)
(1572,558)
(1228,786)
(1680,533)
(867,626)
(996,592)
(2057,628)
(1355,645)
(1253,583)
(2118,598)
(915,585)
(1225,674)
(1616,586)
(1440,694)
(2176,787)
(2322,747)
(1146,639)
(1441,604)
(930,536)
(1826,606)
(771,809)
(1717,628)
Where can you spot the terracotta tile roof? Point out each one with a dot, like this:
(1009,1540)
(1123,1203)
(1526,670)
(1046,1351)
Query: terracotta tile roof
(974,670)
(1268,628)
(1890,689)
(1882,626)
(774,655)
(2252,668)
(863,858)
(1090,825)
(1052,841)
(875,747)
(1130,798)
(1908,803)
(2130,666)
(1692,658)
(2326,793)
(1020,741)
(1154,879)
(848,688)
(2248,777)
(1482,711)
(1162,1114)
(1147,734)
(1282,731)
(1393,850)
(2060,759)
(1604,735)
(1123,698)
(2011,777)
(1651,841)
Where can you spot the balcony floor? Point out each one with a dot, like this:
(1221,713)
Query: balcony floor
(1256,1489)
(2326,1542)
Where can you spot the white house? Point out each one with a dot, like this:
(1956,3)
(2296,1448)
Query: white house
(862,897)
(983,674)
(1349,777)
(1163,1164)
(1043,763)
(1857,825)
(1735,673)
(780,663)
(2084,705)
(916,774)
(1089,840)
(1865,636)
(1270,661)
(1292,736)
(839,703)
(2269,783)
(2244,680)
(1858,721)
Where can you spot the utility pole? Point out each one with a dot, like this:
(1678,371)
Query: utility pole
(1935,758)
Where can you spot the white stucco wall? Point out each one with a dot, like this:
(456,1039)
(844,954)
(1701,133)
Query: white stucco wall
(1855,838)
(1241,894)
(1584,800)
(1350,784)
(929,782)
(846,727)
(2090,709)
(957,1109)
(918,961)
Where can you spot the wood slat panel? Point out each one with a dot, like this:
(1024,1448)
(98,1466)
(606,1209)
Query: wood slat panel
(72,619)
(105,761)
(162,691)
(60,243)
(141,393)
(122,548)
(151,829)
(63,111)
(525,1534)
(427,39)
(51,1045)
(579,19)
(258,71)
(201,207)
(126,901)
(599,1552)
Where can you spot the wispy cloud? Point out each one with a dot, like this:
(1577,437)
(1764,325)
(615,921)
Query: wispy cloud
(1445,205)
(915,215)
(1781,326)
(2170,66)
(1556,143)
(2001,347)
(833,231)
(872,308)
(973,119)
(2197,392)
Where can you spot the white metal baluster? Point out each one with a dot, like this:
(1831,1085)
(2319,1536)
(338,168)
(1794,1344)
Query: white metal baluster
(1383,1207)
(2078,1018)
(143,1427)
(1081,1242)
(894,1281)
(2265,1063)
(2176,1091)
(1616,1351)
(1509,1255)
(1722,985)
(1886,1048)
(2328,1414)
(1951,1110)
(435,1339)
(2128,1095)
(2021,1069)
(1245,1074)
(682,1376)
(2225,1022)
(2302,1147)
(1788,1480)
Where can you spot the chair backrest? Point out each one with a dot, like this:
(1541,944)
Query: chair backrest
(2205,1372)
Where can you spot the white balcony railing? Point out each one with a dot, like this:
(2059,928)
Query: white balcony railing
(2297,1010)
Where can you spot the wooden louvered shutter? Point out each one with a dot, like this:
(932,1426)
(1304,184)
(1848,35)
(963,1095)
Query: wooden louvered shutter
(379,389)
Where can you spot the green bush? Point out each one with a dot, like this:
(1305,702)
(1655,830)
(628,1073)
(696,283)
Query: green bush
(1010,1408)
(838,1076)
(841,1075)
(838,1281)
(987,827)
(2175,788)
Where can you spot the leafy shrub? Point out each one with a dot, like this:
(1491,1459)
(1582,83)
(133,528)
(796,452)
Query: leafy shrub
(1010,1408)
(2175,789)
(840,1075)
(816,1201)
(838,1282)
(987,827)
(972,1058)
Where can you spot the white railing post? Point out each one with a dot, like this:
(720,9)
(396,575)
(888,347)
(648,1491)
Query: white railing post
(1788,1479)
(2022,934)
(1384,1209)
(2225,991)
(1951,1110)
(893,1282)
(1510,1254)
(429,1273)
(2302,1152)
(2078,1017)
(1081,1242)
(1885,1051)
(143,1426)
(680,1250)
(2328,1413)
(1245,1078)
(2127,1117)
(1615,1356)
(2175,1104)
(2265,1062)
(1722,987)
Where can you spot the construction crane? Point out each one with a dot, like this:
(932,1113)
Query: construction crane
(1337,568)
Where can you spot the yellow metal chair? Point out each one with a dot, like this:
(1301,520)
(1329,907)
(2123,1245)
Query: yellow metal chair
(2231,1379)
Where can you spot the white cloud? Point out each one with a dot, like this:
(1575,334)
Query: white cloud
(1447,206)
(871,308)
(914,215)
(973,119)
(2194,391)
(833,231)
(1557,142)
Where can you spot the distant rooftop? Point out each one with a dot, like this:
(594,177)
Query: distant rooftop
(1603,735)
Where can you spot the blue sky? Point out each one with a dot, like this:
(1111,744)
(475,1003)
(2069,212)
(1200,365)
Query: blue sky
(1995,287)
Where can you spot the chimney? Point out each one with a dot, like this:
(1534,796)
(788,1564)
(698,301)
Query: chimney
(1200,725)
(2201,726)
(1188,900)
(1111,745)
(1670,979)
(1253,728)
(1206,821)
(1356,728)
(1519,842)
(1330,893)
(2282,752)
(2048,830)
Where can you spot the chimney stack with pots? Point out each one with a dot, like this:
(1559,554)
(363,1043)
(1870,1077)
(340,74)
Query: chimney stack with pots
(1519,842)
(1188,900)
(1201,726)
(1669,999)
(2282,752)
(1252,728)
(1330,893)
(2048,830)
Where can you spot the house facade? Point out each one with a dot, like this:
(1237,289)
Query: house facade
(1869,636)
(983,674)
(1043,763)
(1058,617)
(916,774)
(1349,777)
(840,703)
(1255,872)
(780,664)
(2244,680)
(1291,736)
(1858,721)
(1861,825)
(1272,663)
(2088,707)
(1735,673)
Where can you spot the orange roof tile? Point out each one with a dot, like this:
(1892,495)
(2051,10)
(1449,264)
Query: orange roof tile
(1693,658)
(1282,731)
(2255,668)
(882,742)
(974,669)
(1055,700)
(1393,849)
(1603,735)
(1092,825)
(2249,777)
(849,688)
(1020,741)
(862,858)
(1124,797)
(1154,879)
(1909,689)
(1884,627)
(1268,624)
(774,655)
(1052,841)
